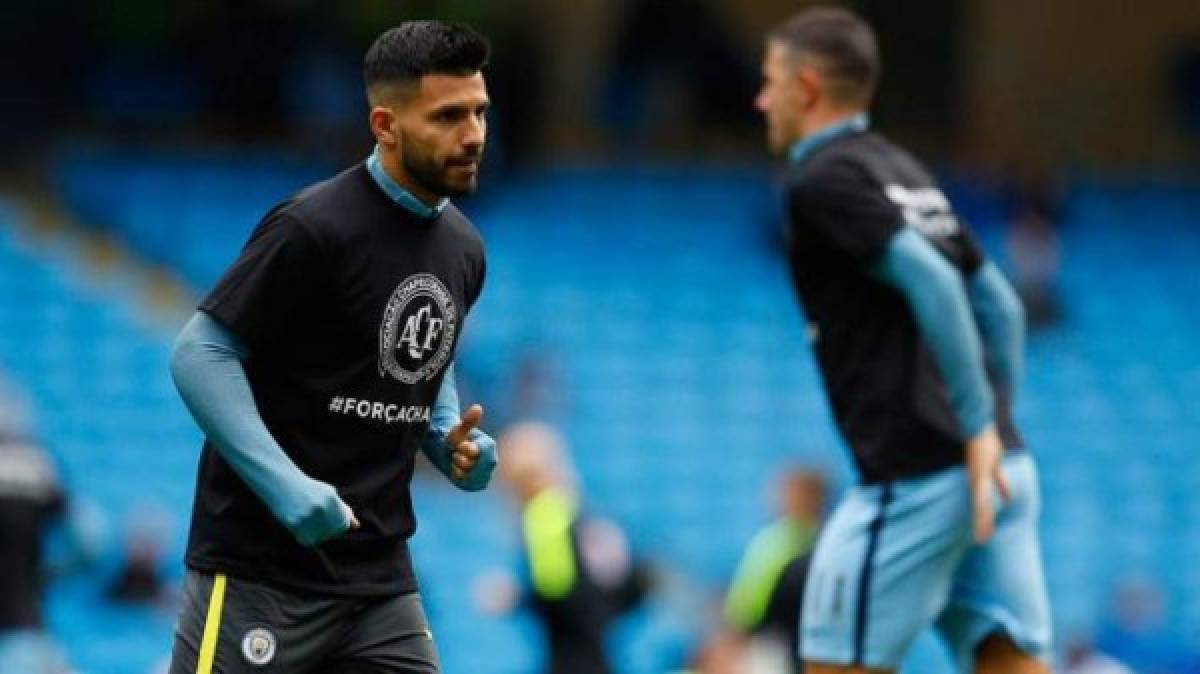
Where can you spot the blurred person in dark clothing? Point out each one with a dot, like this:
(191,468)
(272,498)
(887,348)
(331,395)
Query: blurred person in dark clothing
(33,511)
(139,580)
(579,574)
(768,587)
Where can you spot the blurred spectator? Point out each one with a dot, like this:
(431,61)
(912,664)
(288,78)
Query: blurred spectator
(768,588)
(1082,658)
(580,575)
(33,507)
(1034,248)
(139,580)
(1139,634)
(678,68)
(1186,89)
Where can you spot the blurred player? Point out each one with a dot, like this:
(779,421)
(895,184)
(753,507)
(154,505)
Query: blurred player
(318,366)
(943,527)
(580,574)
(768,587)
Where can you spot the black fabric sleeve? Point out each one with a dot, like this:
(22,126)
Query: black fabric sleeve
(274,278)
(840,205)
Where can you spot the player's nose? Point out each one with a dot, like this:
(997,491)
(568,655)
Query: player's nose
(473,133)
(761,102)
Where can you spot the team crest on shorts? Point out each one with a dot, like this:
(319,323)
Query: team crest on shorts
(258,646)
(418,329)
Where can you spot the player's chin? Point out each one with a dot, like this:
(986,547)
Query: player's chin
(460,181)
(776,142)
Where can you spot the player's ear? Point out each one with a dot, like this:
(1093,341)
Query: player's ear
(808,86)
(383,125)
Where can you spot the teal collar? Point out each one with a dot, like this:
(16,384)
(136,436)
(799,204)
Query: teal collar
(400,195)
(804,147)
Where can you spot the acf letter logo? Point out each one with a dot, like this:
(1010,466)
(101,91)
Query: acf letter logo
(418,329)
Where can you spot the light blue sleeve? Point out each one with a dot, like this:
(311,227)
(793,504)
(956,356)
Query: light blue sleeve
(445,416)
(1001,320)
(934,290)
(207,368)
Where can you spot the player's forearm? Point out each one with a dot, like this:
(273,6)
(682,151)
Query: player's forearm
(445,416)
(1001,320)
(935,292)
(207,369)
(436,448)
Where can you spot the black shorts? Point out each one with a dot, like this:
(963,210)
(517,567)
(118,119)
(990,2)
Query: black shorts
(234,626)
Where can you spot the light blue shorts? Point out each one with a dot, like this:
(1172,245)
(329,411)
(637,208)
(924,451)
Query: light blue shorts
(897,558)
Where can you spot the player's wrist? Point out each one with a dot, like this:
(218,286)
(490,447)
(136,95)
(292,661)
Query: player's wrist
(984,431)
(312,510)
(478,477)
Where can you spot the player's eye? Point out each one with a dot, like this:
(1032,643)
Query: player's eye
(447,115)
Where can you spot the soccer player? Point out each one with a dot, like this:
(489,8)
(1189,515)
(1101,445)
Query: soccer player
(919,341)
(318,366)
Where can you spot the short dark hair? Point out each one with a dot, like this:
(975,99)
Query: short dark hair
(843,44)
(404,54)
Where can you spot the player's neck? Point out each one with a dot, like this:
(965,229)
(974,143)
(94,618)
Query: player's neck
(820,130)
(395,170)
(820,120)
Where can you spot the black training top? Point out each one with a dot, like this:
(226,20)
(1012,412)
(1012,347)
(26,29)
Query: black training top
(846,201)
(351,307)
(31,499)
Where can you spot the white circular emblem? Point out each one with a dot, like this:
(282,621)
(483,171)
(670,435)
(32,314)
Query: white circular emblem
(418,329)
(258,646)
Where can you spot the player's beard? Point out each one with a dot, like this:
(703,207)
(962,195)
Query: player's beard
(431,173)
